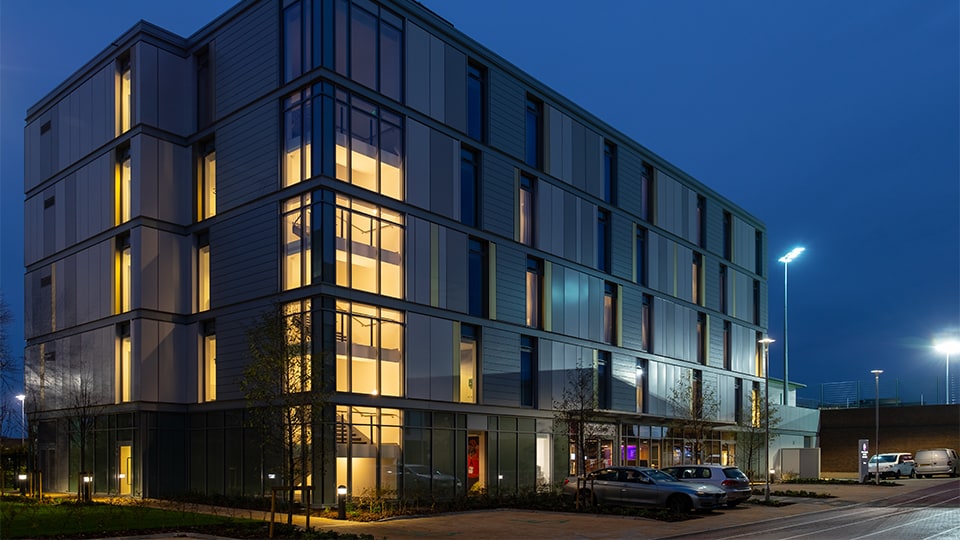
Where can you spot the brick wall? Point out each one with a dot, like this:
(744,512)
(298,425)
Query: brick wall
(902,429)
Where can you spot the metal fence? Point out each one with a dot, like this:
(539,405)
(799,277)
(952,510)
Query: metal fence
(893,392)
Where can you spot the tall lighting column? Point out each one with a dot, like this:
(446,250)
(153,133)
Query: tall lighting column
(786,260)
(948,347)
(876,376)
(766,420)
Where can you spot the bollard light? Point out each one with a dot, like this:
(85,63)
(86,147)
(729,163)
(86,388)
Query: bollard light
(341,502)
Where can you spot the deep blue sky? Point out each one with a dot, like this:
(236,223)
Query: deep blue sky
(835,123)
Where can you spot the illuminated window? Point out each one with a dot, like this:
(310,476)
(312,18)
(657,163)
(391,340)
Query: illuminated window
(533,150)
(297,138)
(124,94)
(203,272)
(696,271)
(296,242)
(299,372)
(124,364)
(646,192)
(123,273)
(369,142)
(641,382)
(207,184)
(528,371)
(476,100)
(610,313)
(469,360)
(369,349)
(534,292)
(369,242)
(209,366)
(124,184)
(527,209)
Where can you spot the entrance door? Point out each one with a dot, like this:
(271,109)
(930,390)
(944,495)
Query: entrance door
(125,474)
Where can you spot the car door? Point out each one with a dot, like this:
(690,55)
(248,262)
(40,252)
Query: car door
(606,486)
(642,490)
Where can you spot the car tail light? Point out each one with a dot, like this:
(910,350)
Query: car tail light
(729,483)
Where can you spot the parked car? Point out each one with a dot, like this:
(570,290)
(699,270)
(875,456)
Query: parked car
(895,464)
(937,461)
(728,478)
(643,486)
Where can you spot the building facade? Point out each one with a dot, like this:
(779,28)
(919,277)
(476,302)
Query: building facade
(453,239)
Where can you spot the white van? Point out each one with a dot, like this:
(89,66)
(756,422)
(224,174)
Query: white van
(936,461)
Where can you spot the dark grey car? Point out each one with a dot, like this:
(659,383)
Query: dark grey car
(643,486)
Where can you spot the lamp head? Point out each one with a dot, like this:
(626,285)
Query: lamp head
(793,254)
(766,341)
(947,346)
(21,397)
(876,372)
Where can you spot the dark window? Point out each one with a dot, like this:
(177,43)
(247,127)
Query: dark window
(293,41)
(697,280)
(701,221)
(727,350)
(204,88)
(528,371)
(391,55)
(366,43)
(469,187)
(646,331)
(45,127)
(476,100)
(609,171)
(727,236)
(646,192)
(363,46)
(610,313)
(49,202)
(738,400)
(756,301)
(534,292)
(723,289)
(702,338)
(478,278)
(533,153)
(604,379)
(758,252)
(640,256)
(697,394)
(603,240)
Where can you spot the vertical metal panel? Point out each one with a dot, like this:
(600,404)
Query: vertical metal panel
(146,84)
(417,52)
(246,65)
(175,93)
(455,89)
(443,158)
(501,367)
(441,364)
(498,195)
(417,160)
(417,357)
(456,266)
(247,166)
(437,79)
(506,115)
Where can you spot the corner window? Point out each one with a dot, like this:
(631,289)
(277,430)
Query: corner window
(123,272)
(369,146)
(469,187)
(527,209)
(369,349)
(297,33)
(124,94)
(371,51)
(528,371)
(123,185)
(369,252)
(203,272)
(297,138)
(209,366)
(534,292)
(469,361)
(476,100)
(207,184)
(296,242)
(533,150)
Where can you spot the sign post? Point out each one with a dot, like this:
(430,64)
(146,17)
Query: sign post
(863,458)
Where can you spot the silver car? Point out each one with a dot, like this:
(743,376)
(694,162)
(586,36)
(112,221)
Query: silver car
(642,486)
(728,478)
(937,461)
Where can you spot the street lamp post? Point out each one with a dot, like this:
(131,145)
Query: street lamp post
(766,420)
(876,377)
(786,260)
(23,446)
(948,347)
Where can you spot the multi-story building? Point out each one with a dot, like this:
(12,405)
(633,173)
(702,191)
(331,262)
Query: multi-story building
(454,236)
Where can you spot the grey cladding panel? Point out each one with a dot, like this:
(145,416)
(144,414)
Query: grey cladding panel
(455,89)
(247,161)
(247,260)
(246,60)
(501,368)
(418,164)
(498,192)
(507,102)
(511,284)
(442,162)
(418,67)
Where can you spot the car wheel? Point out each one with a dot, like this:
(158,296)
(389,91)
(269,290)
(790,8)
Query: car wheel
(913,473)
(732,504)
(897,476)
(679,504)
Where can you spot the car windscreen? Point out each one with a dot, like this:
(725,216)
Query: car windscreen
(659,476)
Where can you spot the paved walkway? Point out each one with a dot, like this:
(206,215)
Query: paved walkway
(499,524)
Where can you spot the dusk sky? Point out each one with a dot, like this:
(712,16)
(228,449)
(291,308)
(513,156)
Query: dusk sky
(835,123)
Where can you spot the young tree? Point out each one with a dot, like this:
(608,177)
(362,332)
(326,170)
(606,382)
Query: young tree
(84,405)
(695,408)
(751,438)
(279,382)
(8,415)
(576,414)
